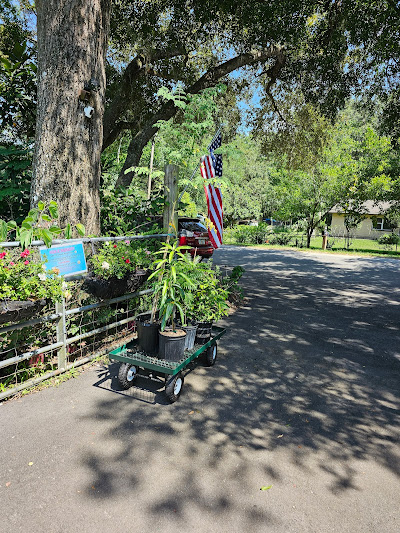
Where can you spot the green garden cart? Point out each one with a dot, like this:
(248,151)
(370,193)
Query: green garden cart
(133,362)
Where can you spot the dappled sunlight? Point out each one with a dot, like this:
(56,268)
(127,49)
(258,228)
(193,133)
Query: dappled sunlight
(311,390)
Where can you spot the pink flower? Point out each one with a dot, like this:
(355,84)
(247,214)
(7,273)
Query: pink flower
(127,242)
(26,262)
(115,245)
(12,263)
(2,255)
(148,253)
(26,251)
(127,261)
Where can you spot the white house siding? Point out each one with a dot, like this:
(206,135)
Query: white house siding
(363,231)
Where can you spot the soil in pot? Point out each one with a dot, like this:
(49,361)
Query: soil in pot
(203,333)
(171,345)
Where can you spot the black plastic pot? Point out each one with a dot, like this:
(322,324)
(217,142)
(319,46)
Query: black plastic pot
(190,336)
(203,333)
(16,311)
(147,334)
(171,348)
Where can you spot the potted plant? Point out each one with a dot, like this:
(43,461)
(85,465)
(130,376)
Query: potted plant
(170,281)
(25,285)
(193,269)
(209,303)
(118,268)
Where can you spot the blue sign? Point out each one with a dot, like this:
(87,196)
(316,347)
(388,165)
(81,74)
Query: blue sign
(69,259)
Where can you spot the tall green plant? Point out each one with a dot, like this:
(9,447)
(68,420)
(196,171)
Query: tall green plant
(15,181)
(170,283)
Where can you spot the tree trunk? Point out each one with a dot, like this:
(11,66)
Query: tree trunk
(72,42)
(310,229)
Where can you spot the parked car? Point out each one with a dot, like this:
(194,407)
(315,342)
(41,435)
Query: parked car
(194,233)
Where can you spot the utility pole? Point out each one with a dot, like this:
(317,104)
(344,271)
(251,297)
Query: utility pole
(171,198)
(151,166)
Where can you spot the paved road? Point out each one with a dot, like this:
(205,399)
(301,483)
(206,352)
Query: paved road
(304,398)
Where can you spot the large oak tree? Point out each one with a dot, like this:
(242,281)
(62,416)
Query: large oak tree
(326,48)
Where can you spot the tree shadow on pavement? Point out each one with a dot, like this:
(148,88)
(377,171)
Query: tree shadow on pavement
(307,381)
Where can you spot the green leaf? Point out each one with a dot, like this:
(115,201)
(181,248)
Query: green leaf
(55,230)
(46,236)
(27,224)
(41,206)
(33,214)
(12,225)
(68,232)
(182,314)
(25,237)
(3,230)
(47,218)
(80,228)
(53,209)
(266,488)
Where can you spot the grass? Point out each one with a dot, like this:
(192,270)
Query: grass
(367,247)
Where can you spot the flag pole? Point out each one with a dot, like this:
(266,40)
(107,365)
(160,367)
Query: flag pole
(198,165)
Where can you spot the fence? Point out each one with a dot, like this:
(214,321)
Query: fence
(68,336)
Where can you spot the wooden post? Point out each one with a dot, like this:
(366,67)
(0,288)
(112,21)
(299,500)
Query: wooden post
(151,166)
(171,199)
(61,330)
(170,215)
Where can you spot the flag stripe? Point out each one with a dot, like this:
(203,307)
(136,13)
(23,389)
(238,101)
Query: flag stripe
(213,208)
(210,167)
(214,214)
(206,167)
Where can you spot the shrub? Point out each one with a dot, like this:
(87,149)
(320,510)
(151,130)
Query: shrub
(118,259)
(252,234)
(22,278)
(389,240)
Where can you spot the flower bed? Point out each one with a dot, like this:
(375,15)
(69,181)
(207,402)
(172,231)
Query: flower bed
(118,268)
(25,285)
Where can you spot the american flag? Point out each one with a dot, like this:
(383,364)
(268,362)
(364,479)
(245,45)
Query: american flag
(216,143)
(213,193)
(207,170)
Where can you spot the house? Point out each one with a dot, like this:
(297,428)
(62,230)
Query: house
(372,226)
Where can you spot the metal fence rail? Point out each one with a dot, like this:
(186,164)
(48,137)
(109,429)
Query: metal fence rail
(57,327)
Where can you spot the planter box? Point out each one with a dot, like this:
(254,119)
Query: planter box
(15,311)
(114,287)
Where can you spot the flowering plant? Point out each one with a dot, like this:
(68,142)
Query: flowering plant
(119,259)
(22,278)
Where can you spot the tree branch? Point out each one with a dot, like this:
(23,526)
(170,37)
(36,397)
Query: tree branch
(124,94)
(209,79)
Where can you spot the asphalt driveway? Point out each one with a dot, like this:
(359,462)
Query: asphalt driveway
(303,402)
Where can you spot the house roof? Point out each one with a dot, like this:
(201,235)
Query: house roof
(369,207)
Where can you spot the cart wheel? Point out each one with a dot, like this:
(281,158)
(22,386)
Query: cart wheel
(173,387)
(127,375)
(211,355)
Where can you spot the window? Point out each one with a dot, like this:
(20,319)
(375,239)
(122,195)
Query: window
(380,223)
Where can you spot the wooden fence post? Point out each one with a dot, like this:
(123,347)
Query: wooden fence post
(171,198)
